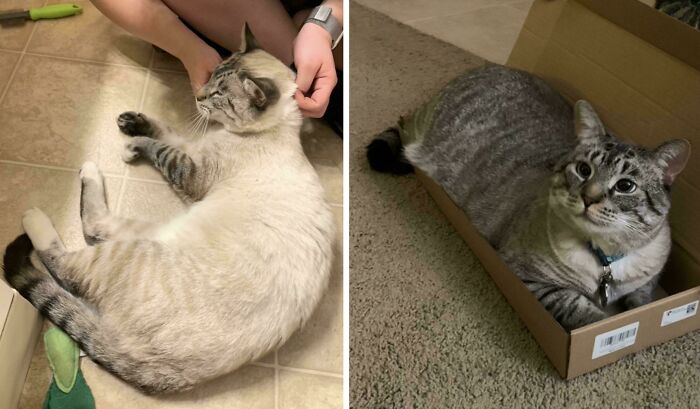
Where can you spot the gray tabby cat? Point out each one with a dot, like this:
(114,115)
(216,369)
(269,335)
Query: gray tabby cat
(167,306)
(582,220)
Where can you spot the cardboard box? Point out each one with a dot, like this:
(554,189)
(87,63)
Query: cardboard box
(20,325)
(641,71)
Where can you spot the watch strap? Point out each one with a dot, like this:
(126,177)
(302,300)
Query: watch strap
(321,16)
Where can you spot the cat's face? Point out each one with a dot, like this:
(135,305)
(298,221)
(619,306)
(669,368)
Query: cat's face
(610,189)
(246,90)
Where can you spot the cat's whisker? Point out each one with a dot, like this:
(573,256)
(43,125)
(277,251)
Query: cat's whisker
(206,125)
(197,126)
(194,122)
(190,124)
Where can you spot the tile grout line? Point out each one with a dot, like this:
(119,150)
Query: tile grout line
(142,98)
(106,174)
(17,64)
(298,370)
(74,170)
(87,61)
(96,62)
(36,165)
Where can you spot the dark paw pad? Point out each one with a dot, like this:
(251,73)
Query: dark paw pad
(134,124)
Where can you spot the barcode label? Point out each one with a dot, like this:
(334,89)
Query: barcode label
(615,340)
(679,313)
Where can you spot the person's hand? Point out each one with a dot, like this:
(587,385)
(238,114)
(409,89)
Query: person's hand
(200,64)
(316,77)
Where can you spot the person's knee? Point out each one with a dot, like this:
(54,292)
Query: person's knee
(300,16)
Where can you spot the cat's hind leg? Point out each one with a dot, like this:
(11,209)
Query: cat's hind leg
(98,222)
(93,203)
(79,318)
(82,272)
(45,241)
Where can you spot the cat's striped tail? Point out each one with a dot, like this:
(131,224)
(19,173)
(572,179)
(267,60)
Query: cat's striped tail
(385,153)
(79,320)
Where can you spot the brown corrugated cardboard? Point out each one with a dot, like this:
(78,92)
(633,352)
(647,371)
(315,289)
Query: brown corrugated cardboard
(641,71)
(20,332)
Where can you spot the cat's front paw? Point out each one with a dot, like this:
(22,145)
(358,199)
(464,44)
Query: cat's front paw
(134,124)
(130,152)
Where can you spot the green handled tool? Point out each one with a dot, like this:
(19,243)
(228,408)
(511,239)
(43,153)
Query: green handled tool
(52,11)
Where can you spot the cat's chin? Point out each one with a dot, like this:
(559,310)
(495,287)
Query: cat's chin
(589,226)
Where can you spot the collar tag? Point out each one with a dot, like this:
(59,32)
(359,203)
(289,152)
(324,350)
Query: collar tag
(606,279)
(604,290)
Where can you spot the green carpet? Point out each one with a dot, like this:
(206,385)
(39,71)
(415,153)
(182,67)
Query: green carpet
(428,327)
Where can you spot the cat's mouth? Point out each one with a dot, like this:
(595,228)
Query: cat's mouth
(588,216)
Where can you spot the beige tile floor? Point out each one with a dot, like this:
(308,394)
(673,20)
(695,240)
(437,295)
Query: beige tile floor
(487,28)
(62,84)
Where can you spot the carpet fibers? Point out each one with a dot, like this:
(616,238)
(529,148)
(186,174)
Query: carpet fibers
(428,327)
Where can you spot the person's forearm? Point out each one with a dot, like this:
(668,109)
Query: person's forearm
(154,22)
(337,6)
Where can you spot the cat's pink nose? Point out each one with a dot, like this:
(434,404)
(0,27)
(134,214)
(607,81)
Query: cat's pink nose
(592,194)
(588,200)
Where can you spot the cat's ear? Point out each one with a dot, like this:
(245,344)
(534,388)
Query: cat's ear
(261,91)
(672,156)
(587,124)
(248,42)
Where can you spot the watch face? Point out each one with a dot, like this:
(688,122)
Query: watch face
(323,13)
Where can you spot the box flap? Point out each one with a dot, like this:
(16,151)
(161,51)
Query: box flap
(665,32)
(17,341)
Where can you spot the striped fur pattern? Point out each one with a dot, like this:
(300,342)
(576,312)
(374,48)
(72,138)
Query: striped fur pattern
(167,306)
(687,11)
(540,181)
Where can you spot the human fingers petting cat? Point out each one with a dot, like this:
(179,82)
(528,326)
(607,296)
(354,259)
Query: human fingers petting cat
(316,76)
(200,66)
(200,33)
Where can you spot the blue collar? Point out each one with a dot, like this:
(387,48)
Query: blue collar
(604,259)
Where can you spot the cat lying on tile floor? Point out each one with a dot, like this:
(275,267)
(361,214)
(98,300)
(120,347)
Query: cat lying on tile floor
(167,306)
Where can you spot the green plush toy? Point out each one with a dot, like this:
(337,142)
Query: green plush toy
(68,389)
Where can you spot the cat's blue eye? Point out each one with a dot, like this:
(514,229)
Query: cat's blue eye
(625,186)
(584,170)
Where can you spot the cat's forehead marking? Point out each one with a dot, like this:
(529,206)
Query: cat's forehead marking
(617,158)
(232,64)
(625,167)
(594,154)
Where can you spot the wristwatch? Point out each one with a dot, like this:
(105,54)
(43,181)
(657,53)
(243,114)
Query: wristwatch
(321,16)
